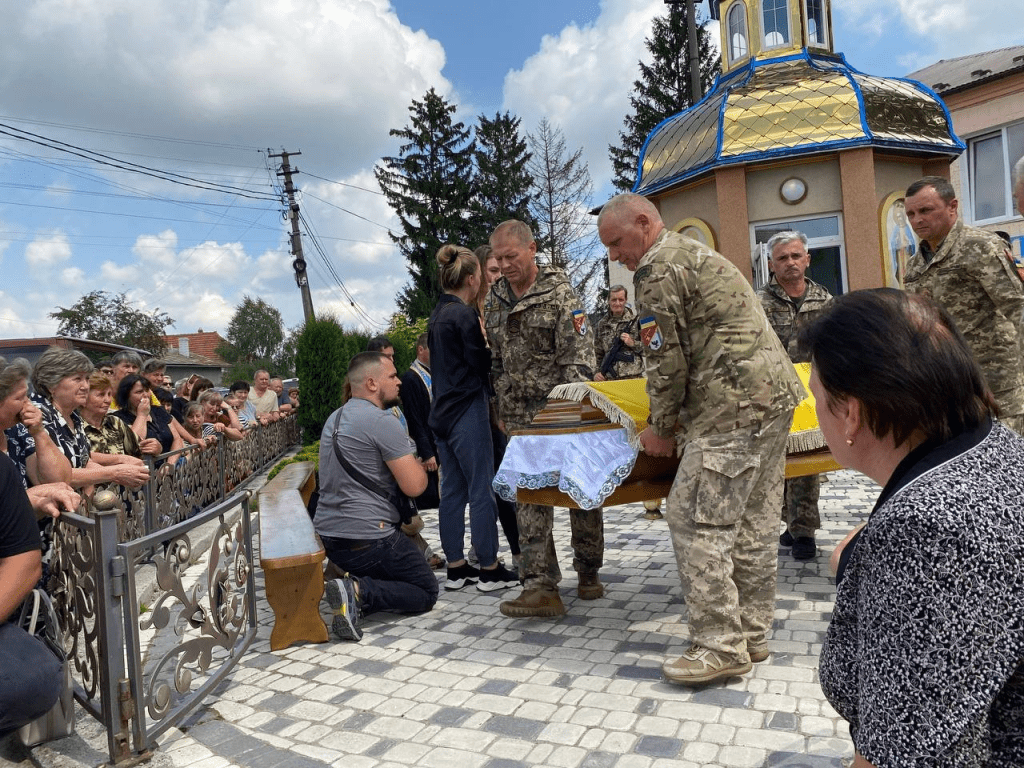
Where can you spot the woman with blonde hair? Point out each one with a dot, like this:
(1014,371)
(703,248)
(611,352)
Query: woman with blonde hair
(460,364)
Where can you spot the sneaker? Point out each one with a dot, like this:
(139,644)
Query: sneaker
(460,576)
(590,586)
(804,548)
(701,665)
(758,649)
(341,594)
(786,539)
(541,602)
(497,578)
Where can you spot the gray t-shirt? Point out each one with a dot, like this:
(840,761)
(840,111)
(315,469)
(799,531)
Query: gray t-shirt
(368,437)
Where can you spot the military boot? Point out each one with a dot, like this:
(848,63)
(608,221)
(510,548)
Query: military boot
(539,601)
(590,586)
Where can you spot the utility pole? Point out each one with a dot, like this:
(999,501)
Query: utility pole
(691,33)
(298,263)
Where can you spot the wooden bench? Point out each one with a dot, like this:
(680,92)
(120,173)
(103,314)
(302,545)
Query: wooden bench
(292,555)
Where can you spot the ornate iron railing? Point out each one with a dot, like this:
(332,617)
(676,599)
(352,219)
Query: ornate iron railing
(140,668)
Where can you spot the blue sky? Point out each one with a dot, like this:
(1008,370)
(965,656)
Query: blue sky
(202,88)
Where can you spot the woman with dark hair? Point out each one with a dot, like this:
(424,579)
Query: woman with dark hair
(199,386)
(151,425)
(925,652)
(461,363)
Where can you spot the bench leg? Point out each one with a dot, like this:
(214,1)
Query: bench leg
(294,593)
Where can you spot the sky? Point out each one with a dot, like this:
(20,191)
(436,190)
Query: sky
(135,136)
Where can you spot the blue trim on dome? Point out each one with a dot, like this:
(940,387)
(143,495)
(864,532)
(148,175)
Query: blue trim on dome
(744,72)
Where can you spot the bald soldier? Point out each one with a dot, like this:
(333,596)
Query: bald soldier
(539,338)
(722,393)
(970,272)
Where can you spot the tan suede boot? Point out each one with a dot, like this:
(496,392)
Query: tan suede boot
(542,602)
(590,586)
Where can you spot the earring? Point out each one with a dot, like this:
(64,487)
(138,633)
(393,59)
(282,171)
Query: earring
(849,441)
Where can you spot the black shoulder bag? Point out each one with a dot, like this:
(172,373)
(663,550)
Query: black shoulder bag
(406,507)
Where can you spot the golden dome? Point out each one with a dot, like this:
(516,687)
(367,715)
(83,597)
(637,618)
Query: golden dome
(789,106)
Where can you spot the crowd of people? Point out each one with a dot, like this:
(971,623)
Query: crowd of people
(82,427)
(921,389)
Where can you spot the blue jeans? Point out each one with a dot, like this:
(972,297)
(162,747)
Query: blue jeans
(393,575)
(467,469)
(30,678)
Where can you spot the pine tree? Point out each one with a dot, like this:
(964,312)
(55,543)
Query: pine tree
(663,88)
(503,180)
(562,190)
(430,186)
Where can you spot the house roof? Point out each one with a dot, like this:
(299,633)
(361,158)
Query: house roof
(202,344)
(951,75)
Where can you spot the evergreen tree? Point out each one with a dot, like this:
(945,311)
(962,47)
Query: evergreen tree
(560,206)
(503,180)
(429,186)
(663,88)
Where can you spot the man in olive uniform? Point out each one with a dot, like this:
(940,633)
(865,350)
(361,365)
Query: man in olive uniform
(970,272)
(618,325)
(792,300)
(538,333)
(723,390)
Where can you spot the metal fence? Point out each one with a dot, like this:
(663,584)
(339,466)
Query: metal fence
(140,668)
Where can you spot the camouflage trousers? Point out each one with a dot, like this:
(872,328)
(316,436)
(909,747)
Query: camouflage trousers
(723,513)
(539,562)
(1016,423)
(800,506)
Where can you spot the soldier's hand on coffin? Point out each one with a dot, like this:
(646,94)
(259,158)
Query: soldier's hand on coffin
(653,445)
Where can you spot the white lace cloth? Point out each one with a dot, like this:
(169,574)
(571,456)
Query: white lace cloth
(587,466)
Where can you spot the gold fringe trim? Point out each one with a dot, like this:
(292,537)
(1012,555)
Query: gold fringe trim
(802,442)
(580,391)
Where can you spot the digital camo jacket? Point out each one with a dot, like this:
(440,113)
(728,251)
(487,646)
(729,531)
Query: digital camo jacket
(539,340)
(713,364)
(786,319)
(608,330)
(972,276)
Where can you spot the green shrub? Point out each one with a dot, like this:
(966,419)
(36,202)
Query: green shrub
(321,360)
(308,453)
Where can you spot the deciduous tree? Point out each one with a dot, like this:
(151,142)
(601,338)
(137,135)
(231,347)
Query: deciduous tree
(560,206)
(111,317)
(255,335)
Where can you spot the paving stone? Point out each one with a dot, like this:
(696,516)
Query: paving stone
(450,716)
(658,746)
(518,727)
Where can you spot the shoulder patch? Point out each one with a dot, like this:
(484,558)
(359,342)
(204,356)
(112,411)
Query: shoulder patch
(643,273)
(650,334)
(579,322)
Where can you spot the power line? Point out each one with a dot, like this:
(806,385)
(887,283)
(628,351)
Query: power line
(344,184)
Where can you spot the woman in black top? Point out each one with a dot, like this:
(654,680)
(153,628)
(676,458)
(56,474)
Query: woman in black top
(460,362)
(151,425)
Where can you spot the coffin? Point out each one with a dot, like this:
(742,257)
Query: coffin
(581,451)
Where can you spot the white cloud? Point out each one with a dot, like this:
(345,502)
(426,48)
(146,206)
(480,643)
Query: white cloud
(946,29)
(72,276)
(294,73)
(47,252)
(581,79)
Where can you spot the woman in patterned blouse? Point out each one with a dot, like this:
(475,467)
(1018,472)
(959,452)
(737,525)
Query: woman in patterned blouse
(22,436)
(924,655)
(61,382)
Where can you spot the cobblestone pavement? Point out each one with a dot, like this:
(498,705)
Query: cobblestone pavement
(464,687)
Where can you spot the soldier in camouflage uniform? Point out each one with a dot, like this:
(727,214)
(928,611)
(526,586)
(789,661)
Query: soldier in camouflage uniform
(791,300)
(970,272)
(539,338)
(723,390)
(618,324)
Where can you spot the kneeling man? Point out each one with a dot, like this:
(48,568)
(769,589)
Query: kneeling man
(357,517)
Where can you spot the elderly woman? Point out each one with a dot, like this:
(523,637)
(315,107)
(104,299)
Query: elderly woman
(106,432)
(152,425)
(61,382)
(925,652)
(22,435)
(218,419)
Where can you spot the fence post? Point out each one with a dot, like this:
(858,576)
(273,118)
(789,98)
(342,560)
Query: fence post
(110,586)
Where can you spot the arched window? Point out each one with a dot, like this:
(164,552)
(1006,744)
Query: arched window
(817,34)
(738,48)
(775,23)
